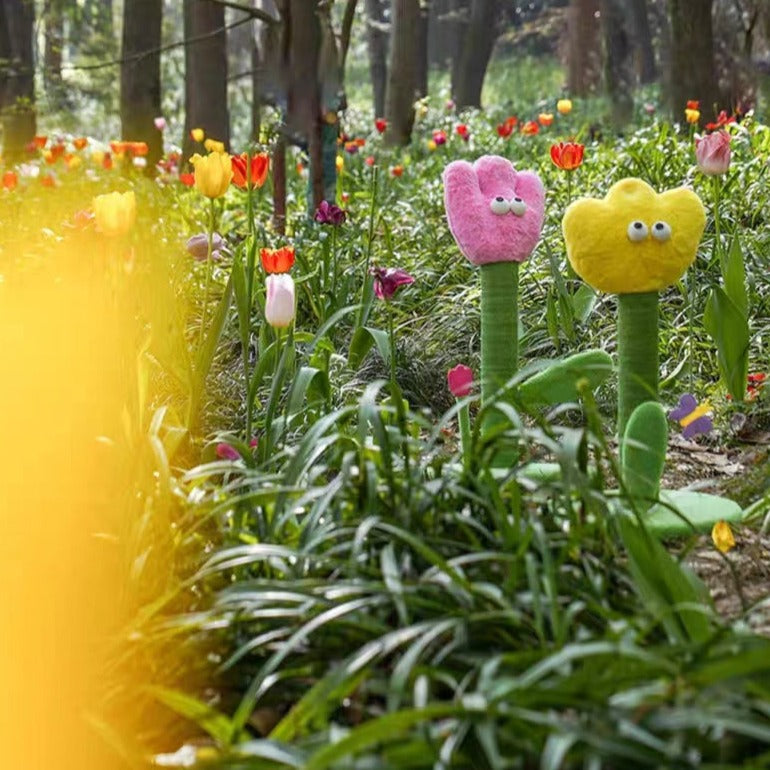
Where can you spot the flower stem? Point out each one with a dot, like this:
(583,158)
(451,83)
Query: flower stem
(717,224)
(366,292)
(209,271)
(392,337)
(464,419)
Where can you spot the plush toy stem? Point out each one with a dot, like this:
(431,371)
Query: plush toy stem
(637,353)
(499,326)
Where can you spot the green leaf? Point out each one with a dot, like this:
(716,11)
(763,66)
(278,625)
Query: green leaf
(213,722)
(310,382)
(643,452)
(583,302)
(678,599)
(734,276)
(729,329)
(363,340)
(242,303)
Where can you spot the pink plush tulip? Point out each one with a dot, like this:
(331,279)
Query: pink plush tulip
(460,379)
(279,304)
(712,152)
(495,213)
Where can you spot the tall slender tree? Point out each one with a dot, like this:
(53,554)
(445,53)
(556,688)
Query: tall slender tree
(583,47)
(402,80)
(645,51)
(692,73)
(140,75)
(618,65)
(205,73)
(423,34)
(52,55)
(478,44)
(377,42)
(17,76)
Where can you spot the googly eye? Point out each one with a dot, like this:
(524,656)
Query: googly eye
(661,231)
(499,205)
(517,206)
(637,231)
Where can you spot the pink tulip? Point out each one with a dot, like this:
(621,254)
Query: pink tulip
(712,152)
(460,379)
(279,305)
(227,452)
(160,123)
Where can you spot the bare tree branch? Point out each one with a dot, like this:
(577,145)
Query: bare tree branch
(254,13)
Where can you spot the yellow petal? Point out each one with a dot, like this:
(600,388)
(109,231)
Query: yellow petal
(722,536)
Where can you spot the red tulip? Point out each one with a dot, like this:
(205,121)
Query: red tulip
(277,260)
(463,131)
(567,155)
(381,125)
(258,168)
(388,280)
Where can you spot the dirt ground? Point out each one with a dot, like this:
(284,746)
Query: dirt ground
(739,581)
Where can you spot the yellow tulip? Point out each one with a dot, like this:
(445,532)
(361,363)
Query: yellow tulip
(114,213)
(432,145)
(564,106)
(213,173)
(693,116)
(212,145)
(197,134)
(340,163)
(722,536)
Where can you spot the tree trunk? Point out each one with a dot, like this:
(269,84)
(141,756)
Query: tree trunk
(618,69)
(140,76)
(692,58)
(205,73)
(17,77)
(52,56)
(583,43)
(422,49)
(402,83)
(478,43)
(377,41)
(279,184)
(645,52)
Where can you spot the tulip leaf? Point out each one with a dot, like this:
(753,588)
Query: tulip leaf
(310,382)
(729,329)
(364,339)
(734,275)
(242,303)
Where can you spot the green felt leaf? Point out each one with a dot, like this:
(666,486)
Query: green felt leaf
(681,511)
(643,452)
(558,383)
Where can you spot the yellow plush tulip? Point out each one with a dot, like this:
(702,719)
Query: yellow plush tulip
(213,173)
(634,240)
(114,213)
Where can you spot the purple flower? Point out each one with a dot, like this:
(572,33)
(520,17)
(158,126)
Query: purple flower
(330,214)
(198,246)
(388,280)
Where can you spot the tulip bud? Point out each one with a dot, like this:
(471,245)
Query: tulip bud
(114,213)
(279,304)
(213,173)
(712,152)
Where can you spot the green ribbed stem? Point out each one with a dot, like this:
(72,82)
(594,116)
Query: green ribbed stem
(637,353)
(499,328)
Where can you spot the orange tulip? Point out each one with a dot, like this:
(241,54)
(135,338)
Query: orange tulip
(10,180)
(40,142)
(80,142)
(545,118)
(397,170)
(277,260)
(567,155)
(256,169)
(530,128)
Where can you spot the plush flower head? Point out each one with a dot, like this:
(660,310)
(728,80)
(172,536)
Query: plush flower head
(495,213)
(634,240)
